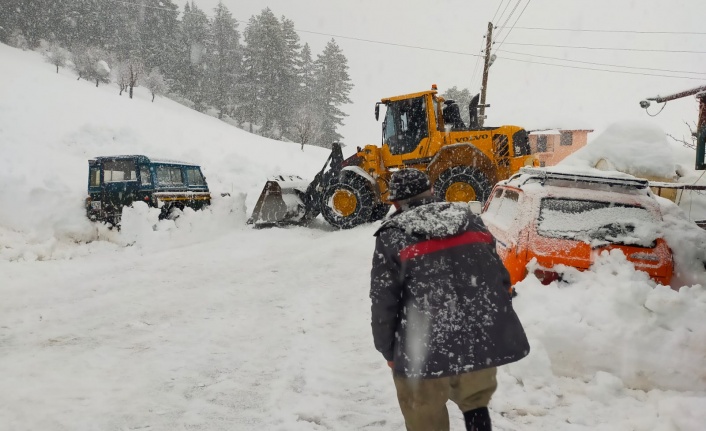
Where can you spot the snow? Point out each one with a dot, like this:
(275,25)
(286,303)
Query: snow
(205,323)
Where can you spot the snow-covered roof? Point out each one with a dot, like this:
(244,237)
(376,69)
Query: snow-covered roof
(150,159)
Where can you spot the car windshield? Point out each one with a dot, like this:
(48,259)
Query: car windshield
(596,222)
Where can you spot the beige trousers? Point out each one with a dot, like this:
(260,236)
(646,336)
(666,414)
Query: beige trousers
(423,401)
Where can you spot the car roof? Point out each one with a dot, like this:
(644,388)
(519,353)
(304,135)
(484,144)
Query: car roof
(144,159)
(613,188)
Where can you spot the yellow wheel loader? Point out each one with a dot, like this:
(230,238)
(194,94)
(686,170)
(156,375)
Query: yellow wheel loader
(419,130)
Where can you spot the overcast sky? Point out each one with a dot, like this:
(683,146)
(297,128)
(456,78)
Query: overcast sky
(445,36)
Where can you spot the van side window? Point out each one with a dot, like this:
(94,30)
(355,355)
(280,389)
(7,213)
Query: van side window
(169,176)
(119,170)
(145,177)
(94,177)
(194,177)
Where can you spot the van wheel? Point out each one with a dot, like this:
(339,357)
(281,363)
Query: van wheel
(348,204)
(462,184)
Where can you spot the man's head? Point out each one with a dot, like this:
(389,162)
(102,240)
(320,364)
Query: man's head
(408,183)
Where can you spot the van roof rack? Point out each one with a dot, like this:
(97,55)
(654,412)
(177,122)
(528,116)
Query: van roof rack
(543,176)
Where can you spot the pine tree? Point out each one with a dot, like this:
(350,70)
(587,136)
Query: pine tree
(264,73)
(333,87)
(307,78)
(289,86)
(158,21)
(191,56)
(223,61)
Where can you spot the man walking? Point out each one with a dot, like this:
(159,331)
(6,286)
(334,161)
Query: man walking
(442,314)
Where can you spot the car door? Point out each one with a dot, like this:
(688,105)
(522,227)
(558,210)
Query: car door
(503,218)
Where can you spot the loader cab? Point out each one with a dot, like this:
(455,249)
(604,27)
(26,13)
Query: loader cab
(405,124)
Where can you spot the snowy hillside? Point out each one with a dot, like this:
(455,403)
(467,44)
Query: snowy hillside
(206,324)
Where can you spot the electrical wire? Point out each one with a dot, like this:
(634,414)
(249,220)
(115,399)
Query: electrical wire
(512,12)
(475,68)
(610,49)
(513,24)
(600,70)
(600,64)
(658,112)
(501,15)
(496,10)
(612,31)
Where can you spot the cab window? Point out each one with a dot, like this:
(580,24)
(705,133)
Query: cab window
(405,125)
(119,170)
(169,176)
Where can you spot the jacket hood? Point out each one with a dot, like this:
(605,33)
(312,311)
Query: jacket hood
(432,219)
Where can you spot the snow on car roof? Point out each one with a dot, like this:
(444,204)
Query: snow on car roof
(569,179)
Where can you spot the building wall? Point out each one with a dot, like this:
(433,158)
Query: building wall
(555,151)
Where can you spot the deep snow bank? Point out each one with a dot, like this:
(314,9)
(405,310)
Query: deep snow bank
(51,124)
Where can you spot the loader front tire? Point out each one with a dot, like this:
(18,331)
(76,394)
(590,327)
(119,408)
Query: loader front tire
(462,184)
(348,204)
(379,212)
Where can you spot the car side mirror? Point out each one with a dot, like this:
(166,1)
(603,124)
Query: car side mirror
(377,111)
(476,207)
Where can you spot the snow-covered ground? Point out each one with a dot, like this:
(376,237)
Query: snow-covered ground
(204,323)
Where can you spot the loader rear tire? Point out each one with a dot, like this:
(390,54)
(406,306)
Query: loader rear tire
(348,204)
(462,184)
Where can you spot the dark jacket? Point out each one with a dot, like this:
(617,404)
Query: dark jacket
(440,295)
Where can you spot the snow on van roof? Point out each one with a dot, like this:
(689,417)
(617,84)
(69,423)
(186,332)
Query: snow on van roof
(151,159)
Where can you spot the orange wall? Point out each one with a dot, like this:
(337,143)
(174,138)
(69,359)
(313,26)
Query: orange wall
(555,151)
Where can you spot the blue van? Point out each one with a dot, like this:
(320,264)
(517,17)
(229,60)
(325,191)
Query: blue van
(118,181)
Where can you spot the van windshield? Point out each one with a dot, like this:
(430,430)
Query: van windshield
(169,176)
(596,222)
(194,177)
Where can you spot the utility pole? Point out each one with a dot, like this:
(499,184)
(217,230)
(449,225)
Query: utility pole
(486,66)
(700,133)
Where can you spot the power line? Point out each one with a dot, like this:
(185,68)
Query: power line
(496,10)
(513,24)
(475,68)
(601,70)
(610,31)
(601,64)
(390,43)
(501,15)
(512,12)
(610,49)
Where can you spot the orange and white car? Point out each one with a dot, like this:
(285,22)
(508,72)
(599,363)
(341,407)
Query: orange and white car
(566,219)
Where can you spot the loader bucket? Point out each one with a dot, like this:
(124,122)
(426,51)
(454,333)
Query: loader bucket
(280,202)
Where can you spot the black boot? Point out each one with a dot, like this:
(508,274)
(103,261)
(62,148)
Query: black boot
(477,419)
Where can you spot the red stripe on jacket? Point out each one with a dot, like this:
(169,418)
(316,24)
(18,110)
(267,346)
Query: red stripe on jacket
(433,245)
